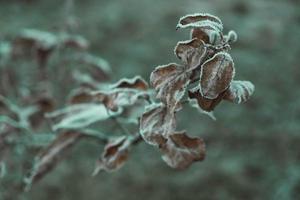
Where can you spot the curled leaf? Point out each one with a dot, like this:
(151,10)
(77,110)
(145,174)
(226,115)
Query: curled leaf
(180,151)
(204,26)
(51,155)
(198,19)
(156,123)
(231,37)
(191,52)
(134,83)
(170,82)
(203,102)
(114,156)
(239,91)
(216,75)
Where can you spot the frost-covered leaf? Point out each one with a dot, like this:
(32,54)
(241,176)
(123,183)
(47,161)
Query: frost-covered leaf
(204,26)
(205,103)
(180,150)
(239,91)
(80,116)
(191,52)
(199,19)
(170,82)
(216,75)
(156,123)
(114,156)
(231,37)
(136,82)
(118,98)
(51,155)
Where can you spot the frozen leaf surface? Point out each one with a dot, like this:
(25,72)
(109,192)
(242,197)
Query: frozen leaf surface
(192,52)
(180,151)
(216,75)
(239,91)
(114,156)
(170,82)
(204,26)
(156,123)
(80,116)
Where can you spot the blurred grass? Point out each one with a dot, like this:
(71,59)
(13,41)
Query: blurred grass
(253,149)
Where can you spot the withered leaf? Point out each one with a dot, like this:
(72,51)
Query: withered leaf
(216,75)
(180,151)
(239,91)
(170,82)
(51,155)
(114,156)
(156,123)
(204,26)
(79,116)
(205,103)
(136,82)
(197,19)
(118,98)
(191,52)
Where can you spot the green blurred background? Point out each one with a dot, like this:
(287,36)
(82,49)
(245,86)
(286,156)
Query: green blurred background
(252,149)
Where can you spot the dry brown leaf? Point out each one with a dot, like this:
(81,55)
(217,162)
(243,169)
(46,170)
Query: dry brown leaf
(136,82)
(170,82)
(197,19)
(204,26)
(192,53)
(180,151)
(216,75)
(204,103)
(51,155)
(114,156)
(156,123)
(239,91)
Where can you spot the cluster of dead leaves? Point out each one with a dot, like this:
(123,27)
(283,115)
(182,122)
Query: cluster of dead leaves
(204,78)
(86,108)
(206,74)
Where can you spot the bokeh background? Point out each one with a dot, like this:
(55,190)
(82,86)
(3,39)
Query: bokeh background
(252,149)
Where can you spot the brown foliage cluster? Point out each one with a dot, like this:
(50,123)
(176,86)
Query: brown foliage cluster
(204,78)
(206,74)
